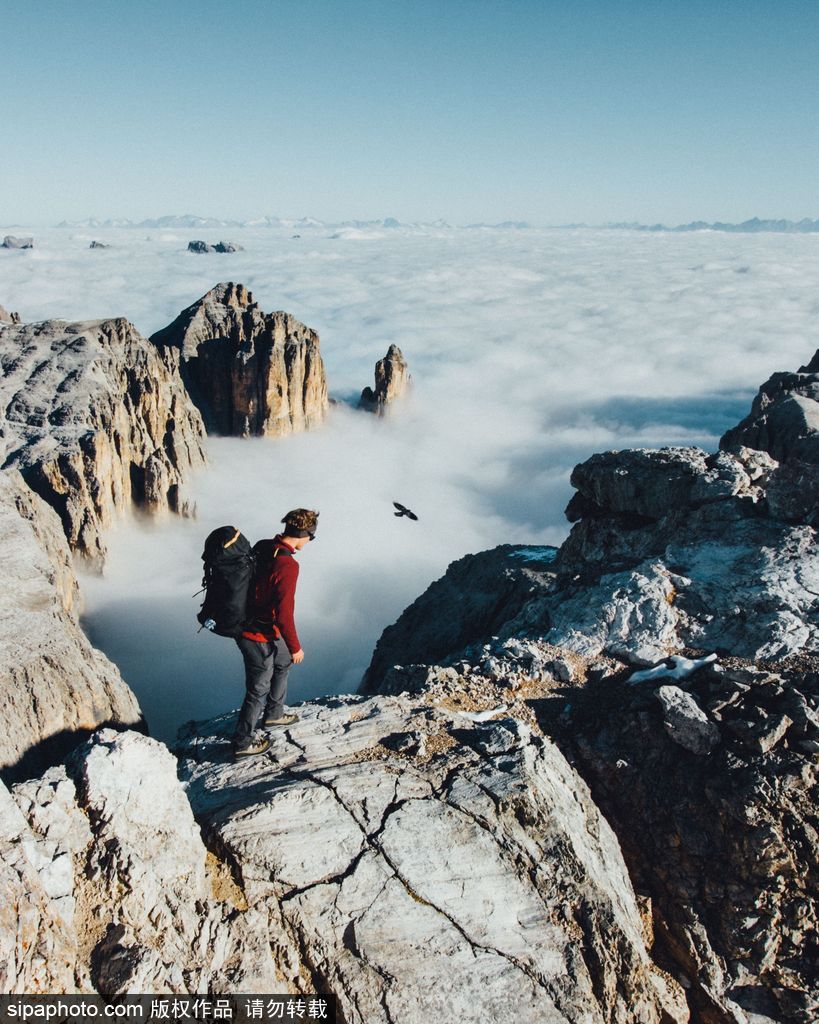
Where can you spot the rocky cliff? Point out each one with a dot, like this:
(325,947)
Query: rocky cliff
(249,372)
(392,380)
(582,784)
(704,567)
(55,688)
(95,418)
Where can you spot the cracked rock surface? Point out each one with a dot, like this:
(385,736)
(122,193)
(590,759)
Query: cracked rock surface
(95,418)
(249,372)
(395,847)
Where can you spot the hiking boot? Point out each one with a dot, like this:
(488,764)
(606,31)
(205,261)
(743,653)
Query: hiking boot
(256,746)
(288,719)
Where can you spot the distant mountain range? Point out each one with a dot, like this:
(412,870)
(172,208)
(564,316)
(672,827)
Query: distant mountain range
(804,226)
(189,221)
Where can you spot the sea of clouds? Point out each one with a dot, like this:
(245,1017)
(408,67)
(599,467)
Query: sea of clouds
(529,349)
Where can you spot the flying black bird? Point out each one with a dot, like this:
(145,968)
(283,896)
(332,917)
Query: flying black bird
(404,511)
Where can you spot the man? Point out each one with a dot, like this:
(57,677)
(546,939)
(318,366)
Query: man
(270,643)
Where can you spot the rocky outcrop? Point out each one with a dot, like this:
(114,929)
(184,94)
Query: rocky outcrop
(474,600)
(392,380)
(705,767)
(395,847)
(13,242)
(216,247)
(108,887)
(723,835)
(784,422)
(8,318)
(784,417)
(96,418)
(249,372)
(99,245)
(55,688)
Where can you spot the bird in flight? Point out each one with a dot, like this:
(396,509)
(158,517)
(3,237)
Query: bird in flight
(402,510)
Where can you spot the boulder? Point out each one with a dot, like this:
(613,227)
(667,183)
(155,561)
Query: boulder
(217,247)
(392,380)
(249,372)
(650,484)
(120,893)
(96,419)
(55,688)
(12,242)
(685,722)
(99,245)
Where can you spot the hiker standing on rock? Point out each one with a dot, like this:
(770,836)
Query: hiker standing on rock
(269,642)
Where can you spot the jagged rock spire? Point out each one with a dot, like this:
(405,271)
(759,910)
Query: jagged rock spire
(392,379)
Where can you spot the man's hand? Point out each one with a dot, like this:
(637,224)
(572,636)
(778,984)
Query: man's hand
(298,657)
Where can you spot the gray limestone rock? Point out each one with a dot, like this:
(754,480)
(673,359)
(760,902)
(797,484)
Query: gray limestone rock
(388,869)
(55,688)
(685,722)
(392,380)
(651,484)
(249,372)
(37,942)
(95,419)
(793,492)
(726,844)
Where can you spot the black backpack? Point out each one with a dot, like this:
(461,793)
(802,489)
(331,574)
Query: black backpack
(229,568)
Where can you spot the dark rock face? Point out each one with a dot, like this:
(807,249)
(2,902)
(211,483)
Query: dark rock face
(725,842)
(249,372)
(478,595)
(392,380)
(96,418)
(217,247)
(12,242)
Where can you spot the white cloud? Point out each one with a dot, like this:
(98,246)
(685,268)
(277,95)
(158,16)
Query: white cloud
(529,350)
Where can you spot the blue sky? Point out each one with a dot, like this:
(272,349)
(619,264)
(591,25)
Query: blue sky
(551,111)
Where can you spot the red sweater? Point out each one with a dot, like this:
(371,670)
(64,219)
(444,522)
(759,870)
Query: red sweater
(272,600)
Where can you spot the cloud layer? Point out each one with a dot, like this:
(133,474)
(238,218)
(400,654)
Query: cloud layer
(529,351)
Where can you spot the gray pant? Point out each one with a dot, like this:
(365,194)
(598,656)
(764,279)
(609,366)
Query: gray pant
(266,668)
